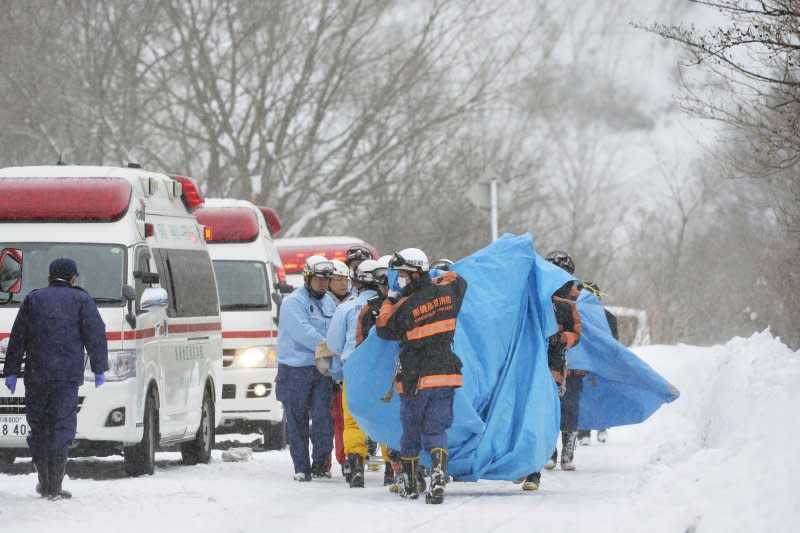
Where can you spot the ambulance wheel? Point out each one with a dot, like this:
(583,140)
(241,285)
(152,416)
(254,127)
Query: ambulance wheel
(199,449)
(274,435)
(6,461)
(141,458)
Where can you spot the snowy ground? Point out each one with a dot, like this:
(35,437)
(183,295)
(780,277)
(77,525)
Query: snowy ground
(721,458)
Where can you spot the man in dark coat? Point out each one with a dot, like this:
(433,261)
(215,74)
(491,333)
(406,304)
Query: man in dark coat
(52,328)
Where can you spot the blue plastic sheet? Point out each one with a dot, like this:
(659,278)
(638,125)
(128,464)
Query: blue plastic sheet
(507,414)
(620,388)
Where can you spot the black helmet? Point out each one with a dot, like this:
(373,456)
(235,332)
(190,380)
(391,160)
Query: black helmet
(562,260)
(357,253)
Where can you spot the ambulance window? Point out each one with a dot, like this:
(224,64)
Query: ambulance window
(243,285)
(192,282)
(165,278)
(141,263)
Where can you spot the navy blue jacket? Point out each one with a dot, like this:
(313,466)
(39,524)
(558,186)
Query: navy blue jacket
(51,329)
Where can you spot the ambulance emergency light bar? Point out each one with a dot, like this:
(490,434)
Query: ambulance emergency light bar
(64,199)
(228,224)
(191,196)
(273,222)
(294,257)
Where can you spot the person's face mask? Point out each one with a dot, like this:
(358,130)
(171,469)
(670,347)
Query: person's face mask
(402,281)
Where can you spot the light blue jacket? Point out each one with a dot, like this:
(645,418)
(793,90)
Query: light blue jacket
(303,324)
(342,331)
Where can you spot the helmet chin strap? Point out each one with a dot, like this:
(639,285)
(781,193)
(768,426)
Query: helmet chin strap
(312,292)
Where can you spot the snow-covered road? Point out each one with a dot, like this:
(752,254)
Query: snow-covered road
(720,458)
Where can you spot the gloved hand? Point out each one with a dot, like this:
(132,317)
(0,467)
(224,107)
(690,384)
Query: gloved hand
(11,383)
(394,296)
(99,379)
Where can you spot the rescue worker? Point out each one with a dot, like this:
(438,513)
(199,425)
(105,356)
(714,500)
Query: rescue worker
(571,384)
(340,283)
(52,328)
(393,469)
(355,254)
(342,340)
(304,319)
(423,319)
(340,292)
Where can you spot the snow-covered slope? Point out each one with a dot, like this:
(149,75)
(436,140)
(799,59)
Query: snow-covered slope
(720,458)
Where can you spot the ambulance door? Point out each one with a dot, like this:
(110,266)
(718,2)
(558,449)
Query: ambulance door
(150,328)
(170,353)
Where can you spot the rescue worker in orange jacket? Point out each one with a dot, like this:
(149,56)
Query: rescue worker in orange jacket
(571,384)
(423,319)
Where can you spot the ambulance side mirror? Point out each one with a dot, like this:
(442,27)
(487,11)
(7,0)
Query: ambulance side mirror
(154,298)
(129,293)
(11,270)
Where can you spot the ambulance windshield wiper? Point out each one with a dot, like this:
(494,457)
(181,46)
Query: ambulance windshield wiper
(233,307)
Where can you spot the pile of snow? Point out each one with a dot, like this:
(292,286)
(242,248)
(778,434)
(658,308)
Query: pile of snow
(720,458)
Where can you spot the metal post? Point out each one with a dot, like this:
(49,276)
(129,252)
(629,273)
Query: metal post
(493,200)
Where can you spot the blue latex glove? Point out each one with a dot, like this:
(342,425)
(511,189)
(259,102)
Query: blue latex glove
(99,379)
(11,383)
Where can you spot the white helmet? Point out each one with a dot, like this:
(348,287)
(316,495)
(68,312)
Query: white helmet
(319,266)
(365,272)
(381,272)
(339,268)
(410,260)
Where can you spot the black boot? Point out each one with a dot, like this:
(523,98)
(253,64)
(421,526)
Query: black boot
(568,439)
(408,483)
(57,467)
(388,474)
(320,470)
(356,470)
(435,492)
(551,463)
(532,481)
(42,468)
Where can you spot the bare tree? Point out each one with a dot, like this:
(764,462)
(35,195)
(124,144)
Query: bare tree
(747,75)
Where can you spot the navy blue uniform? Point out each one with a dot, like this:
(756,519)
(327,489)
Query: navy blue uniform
(52,328)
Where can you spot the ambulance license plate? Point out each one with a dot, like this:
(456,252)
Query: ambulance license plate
(13,426)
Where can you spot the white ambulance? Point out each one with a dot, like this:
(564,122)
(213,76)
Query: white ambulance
(142,257)
(247,267)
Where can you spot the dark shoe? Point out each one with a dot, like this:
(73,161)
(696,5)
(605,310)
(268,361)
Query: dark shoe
(319,470)
(346,472)
(435,494)
(408,481)
(388,474)
(43,469)
(57,467)
(532,481)
(356,471)
(551,463)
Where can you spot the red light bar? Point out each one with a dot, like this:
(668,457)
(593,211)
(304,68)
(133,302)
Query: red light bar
(64,199)
(273,222)
(281,274)
(294,257)
(191,196)
(229,224)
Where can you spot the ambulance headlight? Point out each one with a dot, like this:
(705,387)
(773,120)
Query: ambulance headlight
(121,365)
(253,357)
(256,357)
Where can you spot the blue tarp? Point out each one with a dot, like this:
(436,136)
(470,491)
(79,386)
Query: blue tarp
(507,413)
(620,388)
